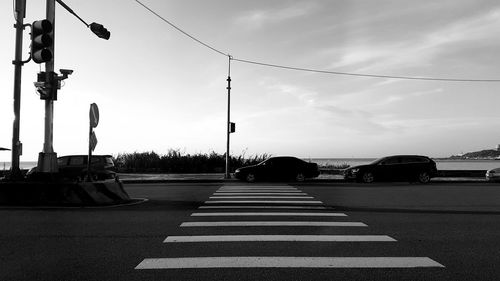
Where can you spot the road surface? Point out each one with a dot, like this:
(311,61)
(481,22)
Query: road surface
(263,231)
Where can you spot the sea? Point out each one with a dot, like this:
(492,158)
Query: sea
(442,164)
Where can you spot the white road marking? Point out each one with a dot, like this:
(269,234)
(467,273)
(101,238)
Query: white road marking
(259,190)
(271,223)
(260,197)
(260,193)
(269,214)
(288,262)
(263,201)
(287,238)
(257,186)
(264,207)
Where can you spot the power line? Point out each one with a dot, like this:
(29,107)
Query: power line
(180,30)
(365,75)
(313,70)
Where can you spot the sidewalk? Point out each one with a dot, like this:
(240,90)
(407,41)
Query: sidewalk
(219,177)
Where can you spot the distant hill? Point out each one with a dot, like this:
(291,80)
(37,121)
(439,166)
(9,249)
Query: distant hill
(483,154)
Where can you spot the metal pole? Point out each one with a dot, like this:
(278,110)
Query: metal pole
(47,159)
(228,175)
(20,12)
(89,176)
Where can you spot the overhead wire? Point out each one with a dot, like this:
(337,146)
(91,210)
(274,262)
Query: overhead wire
(365,75)
(180,30)
(309,69)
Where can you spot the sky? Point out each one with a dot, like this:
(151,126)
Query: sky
(158,89)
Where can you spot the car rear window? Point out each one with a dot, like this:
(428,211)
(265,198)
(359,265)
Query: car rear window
(392,161)
(415,160)
(76,161)
(95,160)
(63,161)
(109,161)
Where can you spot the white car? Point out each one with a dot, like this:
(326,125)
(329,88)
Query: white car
(493,174)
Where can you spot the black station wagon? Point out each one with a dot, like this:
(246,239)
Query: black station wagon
(394,168)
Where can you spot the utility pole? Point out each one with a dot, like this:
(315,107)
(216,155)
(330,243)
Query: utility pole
(20,12)
(228,130)
(47,159)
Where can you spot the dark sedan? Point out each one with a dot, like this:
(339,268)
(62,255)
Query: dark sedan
(394,168)
(278,168)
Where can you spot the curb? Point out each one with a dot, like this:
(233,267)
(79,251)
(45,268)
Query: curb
(222,181)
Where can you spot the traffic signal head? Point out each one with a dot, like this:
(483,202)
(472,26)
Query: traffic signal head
(100,30)
(41,41)
(47,85)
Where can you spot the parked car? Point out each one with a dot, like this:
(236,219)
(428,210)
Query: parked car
(75,167)
(394,168)
(493,175)
(278,168)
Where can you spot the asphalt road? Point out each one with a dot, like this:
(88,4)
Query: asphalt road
(286,232)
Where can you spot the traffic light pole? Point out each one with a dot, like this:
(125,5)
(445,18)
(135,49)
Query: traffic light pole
(20,11)
(47,159)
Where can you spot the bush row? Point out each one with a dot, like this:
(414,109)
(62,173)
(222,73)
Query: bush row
(176,162)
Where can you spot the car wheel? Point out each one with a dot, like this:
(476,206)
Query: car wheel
(367,177)
(250,177)
(424,177)
(300,177)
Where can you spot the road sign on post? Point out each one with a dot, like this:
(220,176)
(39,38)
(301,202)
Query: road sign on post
(93,122)
(93,141)
(94,115)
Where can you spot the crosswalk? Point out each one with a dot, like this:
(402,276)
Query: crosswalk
(274,207)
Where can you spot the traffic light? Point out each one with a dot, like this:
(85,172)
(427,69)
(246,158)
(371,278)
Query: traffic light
(47,85)
(100,30)
(41,41)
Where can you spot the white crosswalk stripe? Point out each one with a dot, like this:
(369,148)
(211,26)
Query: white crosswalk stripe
(263,207)
(223,199)
(294,238)
(262,201)
(288,214)
(258,193)
(280,262)
(260,197)
(272,223)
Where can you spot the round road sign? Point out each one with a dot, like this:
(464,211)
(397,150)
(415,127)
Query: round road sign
(94,115)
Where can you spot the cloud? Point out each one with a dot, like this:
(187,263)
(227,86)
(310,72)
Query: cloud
(357,121)
(259,18)
(402,96)
(419,50)
(304,96)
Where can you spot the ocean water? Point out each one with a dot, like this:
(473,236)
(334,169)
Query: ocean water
(442,164)
(23,165)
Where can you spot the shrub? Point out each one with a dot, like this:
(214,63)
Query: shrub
(176,162)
